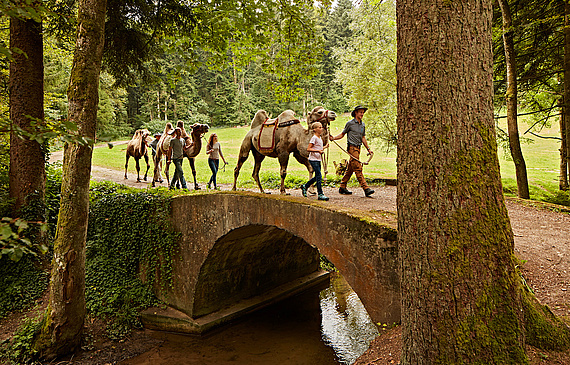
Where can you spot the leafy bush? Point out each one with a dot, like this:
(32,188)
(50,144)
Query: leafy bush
(127,228)
(21,283)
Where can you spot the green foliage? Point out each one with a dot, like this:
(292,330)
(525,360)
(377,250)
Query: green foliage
(128,229)
(13,240)
(19,349)
(368,68)
(21,283)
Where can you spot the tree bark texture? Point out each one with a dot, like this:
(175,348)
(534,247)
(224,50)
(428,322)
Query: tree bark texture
(461,302)
(61,332)
(27,158)
(511,99)
(566,97)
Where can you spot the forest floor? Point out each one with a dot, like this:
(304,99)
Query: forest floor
(542,243)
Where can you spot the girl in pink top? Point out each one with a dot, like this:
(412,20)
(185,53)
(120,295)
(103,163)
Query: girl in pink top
(316,149)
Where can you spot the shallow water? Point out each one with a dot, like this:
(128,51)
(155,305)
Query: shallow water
(324,325)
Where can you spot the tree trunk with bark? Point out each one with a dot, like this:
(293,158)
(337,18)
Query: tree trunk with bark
(63,324)
(566,96)
(462,298)
(27,158)
(511,99)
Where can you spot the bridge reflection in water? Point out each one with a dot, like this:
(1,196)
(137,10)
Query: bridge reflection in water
(326,325)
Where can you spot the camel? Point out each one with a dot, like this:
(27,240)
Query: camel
(138,148)
(162,150)
(194,144)
(289,139)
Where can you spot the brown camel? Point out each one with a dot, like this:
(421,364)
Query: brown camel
(162,149)
(194,144)
(138,148)
(293,138)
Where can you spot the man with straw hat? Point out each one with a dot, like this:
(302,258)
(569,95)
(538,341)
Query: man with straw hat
(355,137)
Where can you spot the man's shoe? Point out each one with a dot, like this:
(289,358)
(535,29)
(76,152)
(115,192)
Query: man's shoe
(323,197)
(304,190)
(368,192)
(344,191)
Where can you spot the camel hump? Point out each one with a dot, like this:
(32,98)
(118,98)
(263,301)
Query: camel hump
(286,116)
(260,117)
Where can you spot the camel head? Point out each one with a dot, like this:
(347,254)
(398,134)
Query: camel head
(321,115)
(145,136)
(199,129)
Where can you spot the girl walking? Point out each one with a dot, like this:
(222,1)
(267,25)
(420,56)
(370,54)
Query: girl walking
(214,149)
(316,149)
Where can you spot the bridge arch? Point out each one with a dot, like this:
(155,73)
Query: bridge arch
(235,245)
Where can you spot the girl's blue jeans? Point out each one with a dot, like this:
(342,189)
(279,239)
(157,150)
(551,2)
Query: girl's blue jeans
(214,166)
(317,177)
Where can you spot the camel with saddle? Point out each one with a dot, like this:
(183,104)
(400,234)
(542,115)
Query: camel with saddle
(280,137)
(192,142)
(138,148)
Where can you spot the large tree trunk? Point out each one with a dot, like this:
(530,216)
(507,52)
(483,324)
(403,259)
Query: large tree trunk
(460,297)
(27,158)
(61,332)
(511,99)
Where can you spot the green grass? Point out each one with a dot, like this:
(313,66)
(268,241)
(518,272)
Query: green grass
(541,156)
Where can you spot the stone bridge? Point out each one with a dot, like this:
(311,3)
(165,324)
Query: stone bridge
(239,251)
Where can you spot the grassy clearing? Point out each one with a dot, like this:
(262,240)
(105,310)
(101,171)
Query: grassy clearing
(541,156)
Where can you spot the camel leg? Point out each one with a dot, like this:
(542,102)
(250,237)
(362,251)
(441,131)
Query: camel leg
(258,157)
(157,165)
(305,161)
(126,165)
(193,168)
(166,172)
(283,162)
(137,165)
(242,157)
(147,166)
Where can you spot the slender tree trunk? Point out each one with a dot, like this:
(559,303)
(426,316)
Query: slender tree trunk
(27,158)
(566,97)
(460,291)
(511,99)
(61,332)
(563,178)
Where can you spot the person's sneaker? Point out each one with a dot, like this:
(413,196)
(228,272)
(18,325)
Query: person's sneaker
(368,192)
(323,197)
(304,190)
(344,191)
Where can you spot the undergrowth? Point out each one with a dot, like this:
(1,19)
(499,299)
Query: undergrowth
(127,227)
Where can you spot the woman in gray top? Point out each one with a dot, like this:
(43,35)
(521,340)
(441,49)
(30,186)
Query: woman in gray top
(215,151)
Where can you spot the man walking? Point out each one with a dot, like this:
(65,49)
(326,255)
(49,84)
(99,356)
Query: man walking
(177,147)
(355,137)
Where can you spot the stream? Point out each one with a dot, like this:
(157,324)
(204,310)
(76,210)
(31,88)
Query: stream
(321,326)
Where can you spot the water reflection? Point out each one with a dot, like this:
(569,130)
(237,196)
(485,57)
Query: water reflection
(345,326)
(325,325)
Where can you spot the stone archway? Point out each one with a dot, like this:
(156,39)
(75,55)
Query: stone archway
(214,225)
